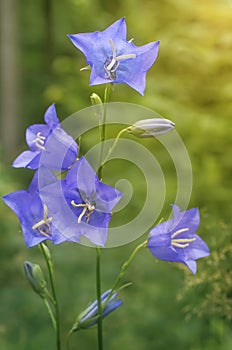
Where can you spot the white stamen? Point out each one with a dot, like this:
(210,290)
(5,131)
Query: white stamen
(39,141)
(114,63)
(179,231)
(86,207)
(46,221)
(81,215)
(182,242)
(179,245)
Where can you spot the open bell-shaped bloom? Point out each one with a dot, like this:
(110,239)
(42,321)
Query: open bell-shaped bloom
(81,204)
(176,241)
(34,217)
(49,145)
(113,59)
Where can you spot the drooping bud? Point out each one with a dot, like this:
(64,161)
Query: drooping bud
(36,278)
(151,127)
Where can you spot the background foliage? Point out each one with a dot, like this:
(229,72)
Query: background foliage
(191,83)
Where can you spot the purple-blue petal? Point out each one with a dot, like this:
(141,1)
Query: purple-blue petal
(60,151)
(98,48)
(50,117)
(29,209)
(32,133)
(175,240)
(27,159)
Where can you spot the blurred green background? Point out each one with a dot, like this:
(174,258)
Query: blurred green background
(191,83)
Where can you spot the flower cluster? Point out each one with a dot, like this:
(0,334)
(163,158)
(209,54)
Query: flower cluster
(60,210)
(78,204)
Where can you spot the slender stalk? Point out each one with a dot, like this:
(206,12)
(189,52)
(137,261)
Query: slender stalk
(55,303)
(98,286)
(124,268)
(103,127)
(68,340)
(113,146)
(50,313)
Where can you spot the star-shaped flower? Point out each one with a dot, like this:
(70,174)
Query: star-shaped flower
(81,204)
(175,240)
(49,141)
(113,59)
(33,215)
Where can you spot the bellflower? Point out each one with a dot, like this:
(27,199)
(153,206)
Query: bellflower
(113,59)
(175,240)
(151,127)
(49,140)
(81,204)
(89,316)
(33,215)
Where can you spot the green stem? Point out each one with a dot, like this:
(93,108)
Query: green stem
(51,278)
(50,313)
(124,268)
(103,127)
(113,146)
(98,286)
(68,340)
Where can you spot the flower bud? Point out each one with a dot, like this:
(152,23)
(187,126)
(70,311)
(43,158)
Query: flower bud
(95,99)
(89,316)
(36,278)
(151,127)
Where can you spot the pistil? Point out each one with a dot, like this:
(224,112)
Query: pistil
(87,209)
(112,65)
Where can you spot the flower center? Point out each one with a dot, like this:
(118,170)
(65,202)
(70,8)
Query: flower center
(112,64)
(39,141)
(44,226)
(181,242)
(88,209)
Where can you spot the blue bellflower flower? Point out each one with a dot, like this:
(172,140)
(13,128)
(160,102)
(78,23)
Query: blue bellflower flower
(89,317)
(57,148)
(113,59)
(33,215)
(175,240)
(81,204)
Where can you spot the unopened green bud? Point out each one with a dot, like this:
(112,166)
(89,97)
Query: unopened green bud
(36,278)
(151,127)
(95,99)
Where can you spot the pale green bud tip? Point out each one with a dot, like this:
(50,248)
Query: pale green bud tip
(95,99)
(151,127)
(35,277)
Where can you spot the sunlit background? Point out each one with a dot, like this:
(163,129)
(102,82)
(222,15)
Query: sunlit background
(191,84)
